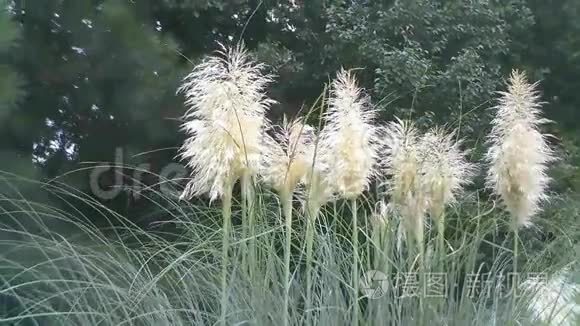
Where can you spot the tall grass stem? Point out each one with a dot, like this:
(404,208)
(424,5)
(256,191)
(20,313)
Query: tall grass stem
(311,218)
(355,276)
(227,216)
(441,238)
(515,266)
(286,199)
(249,215)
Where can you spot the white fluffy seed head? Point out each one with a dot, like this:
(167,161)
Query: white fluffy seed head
(287,156)
(518,153)
(402,163)
(349,141)
(224,122)
(317,189)
(444,170)
(402,160)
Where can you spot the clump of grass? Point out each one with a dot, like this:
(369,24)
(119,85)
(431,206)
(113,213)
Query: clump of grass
(225,122)
(130,275)
(444,172)
(553,300)
(127,275)
(287,160)
(349,148)
(403,165)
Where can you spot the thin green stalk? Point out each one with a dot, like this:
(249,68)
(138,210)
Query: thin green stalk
(419,237)
(516,243)
(245,231)
(248,215)
(440,252)
(441,238)
(286,199)
(515,270)
(385,248)
(355,277)
(377,244)
(385,267)
(227,217)
(311,218)
(422,280)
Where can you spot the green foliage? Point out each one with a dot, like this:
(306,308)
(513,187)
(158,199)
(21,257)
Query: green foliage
(11,90)
(10,32)
(11,85)
(108,70)
(428,57)
(58,268)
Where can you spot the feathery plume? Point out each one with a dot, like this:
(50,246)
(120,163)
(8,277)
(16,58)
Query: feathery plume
(402,159)
(287,156)
(286,161)
(349,146)
(224,122)
(444,170)
(402,164)
(519,152)
(349,141)
(318,189)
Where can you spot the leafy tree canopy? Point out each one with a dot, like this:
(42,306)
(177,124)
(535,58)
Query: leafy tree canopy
(82,78)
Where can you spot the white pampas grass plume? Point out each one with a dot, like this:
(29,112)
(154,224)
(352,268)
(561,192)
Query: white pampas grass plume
(553,301)
(317,188)
(402,164)
(349,146)
(402,159)
(519,153)
(225,121)
(349,142)
(444,170)
(287,157)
